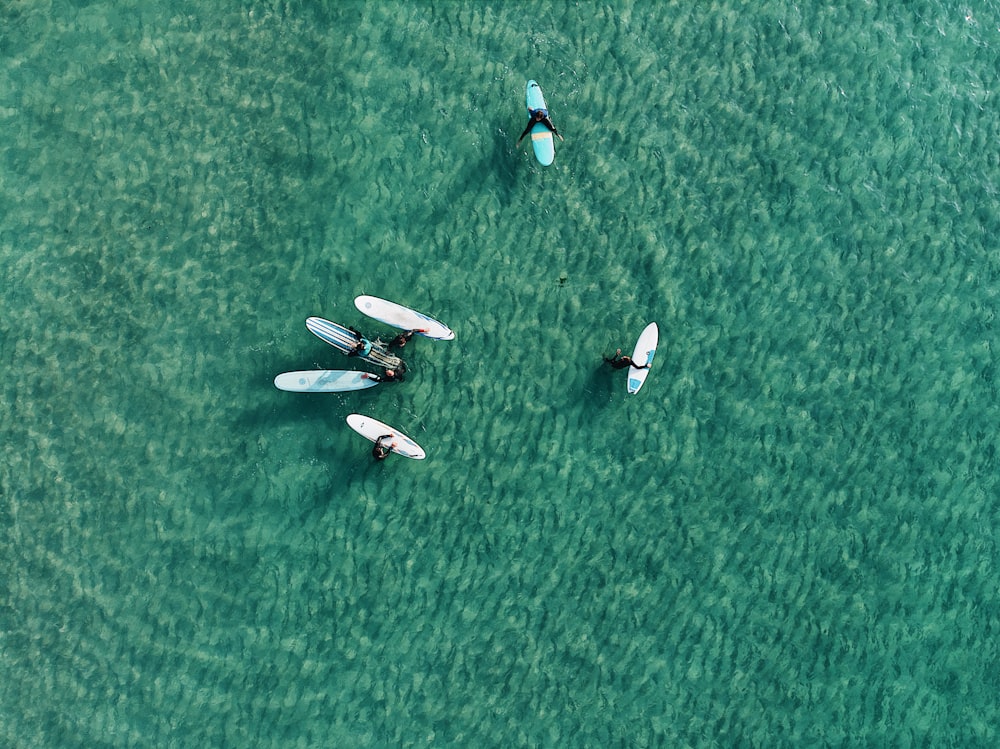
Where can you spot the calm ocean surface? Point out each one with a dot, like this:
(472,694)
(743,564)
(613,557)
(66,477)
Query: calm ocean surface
(789,538)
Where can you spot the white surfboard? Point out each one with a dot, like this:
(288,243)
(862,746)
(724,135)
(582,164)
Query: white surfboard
(542,142)
(323,381)
(403,317)
(372,429)
(645,350)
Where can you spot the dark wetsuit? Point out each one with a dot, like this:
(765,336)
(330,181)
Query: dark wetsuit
(402,339)
(544,121)
(619,362)
(393,375)
(380,451)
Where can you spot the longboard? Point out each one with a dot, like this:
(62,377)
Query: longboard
(344,340)
(371,429)
(542,142)
(323,381)
(645,350)
(402,317)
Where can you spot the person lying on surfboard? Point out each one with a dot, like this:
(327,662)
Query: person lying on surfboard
(380,451)
(620,362)
(542,116)
(363,347)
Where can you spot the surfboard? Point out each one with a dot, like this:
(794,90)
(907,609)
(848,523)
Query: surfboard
(323,381)
(645,350)
(542,142)
(402,317)
(371,429)
(344,340)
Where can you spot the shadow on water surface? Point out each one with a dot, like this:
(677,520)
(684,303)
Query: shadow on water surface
(600,388)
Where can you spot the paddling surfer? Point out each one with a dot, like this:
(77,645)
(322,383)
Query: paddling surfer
(362,346)
(620,361)
(539,116)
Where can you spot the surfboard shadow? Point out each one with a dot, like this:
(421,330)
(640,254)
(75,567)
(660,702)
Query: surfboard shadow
(600,387)
(505,160)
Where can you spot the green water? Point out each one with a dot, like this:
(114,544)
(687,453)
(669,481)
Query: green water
(788,538)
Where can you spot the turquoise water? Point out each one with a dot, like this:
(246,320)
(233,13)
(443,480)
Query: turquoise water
(788,538)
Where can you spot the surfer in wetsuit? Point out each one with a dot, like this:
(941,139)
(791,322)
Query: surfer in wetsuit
(363,347)
(391,375)
(380,451)
(618,361)
(403,338)
(542,116)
